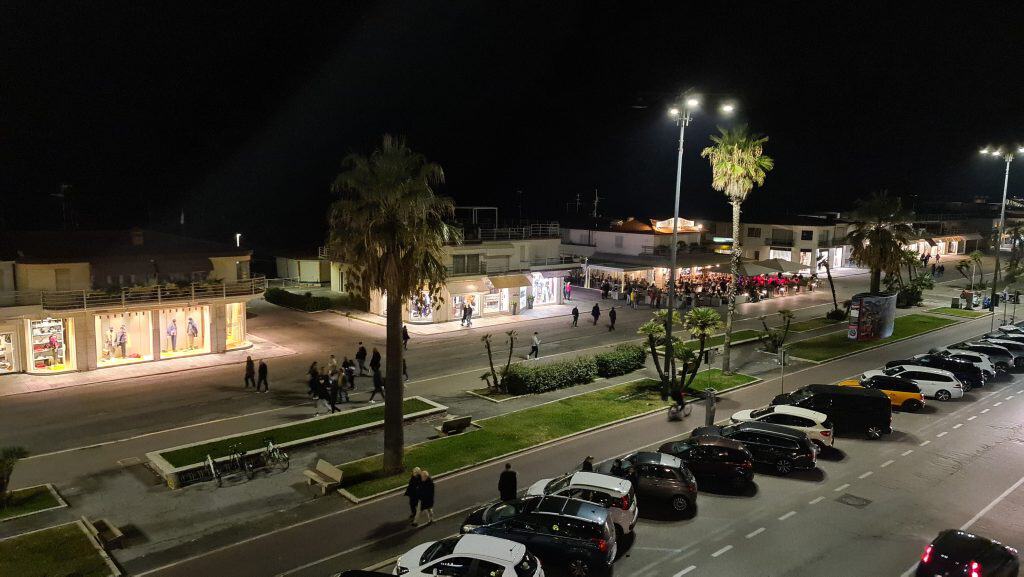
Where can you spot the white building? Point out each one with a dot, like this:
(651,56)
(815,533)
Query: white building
(804,239)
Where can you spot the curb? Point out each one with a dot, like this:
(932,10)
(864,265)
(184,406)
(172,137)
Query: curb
(493,400)
(61,503)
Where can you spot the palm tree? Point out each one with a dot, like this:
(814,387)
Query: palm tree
(655,330)
(702,323)
(390,230)
(828,273)
(9,456)
(738,164)
(878,234)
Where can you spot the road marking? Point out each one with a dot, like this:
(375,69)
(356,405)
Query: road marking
(994,502)
(958,425)
(923,443)
(942,434)
(685,571)
(907,452)
(721,551)
(1010,397)
(755,532)
(972,417)
(841,487)
(887,463)
(997,404)
(866,475)
(816,501)
(985,411)
(787,516)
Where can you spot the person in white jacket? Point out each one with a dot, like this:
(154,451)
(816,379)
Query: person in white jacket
(535,347)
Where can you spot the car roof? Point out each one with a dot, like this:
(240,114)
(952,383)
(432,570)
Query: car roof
(599,481)
(770,428)
(654,458)
(924,369)
(963,546)
(841,390)
(715,440)
(798,412)
(559,505)
(492,547)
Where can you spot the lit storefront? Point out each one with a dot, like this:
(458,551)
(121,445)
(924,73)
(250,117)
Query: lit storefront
(547,287)
(234,321)
(184,331)
(124,337)
(52,345)
(421,308)
(8,353)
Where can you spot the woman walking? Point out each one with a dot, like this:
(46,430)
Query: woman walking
(314,379)
(412,491)
(426,494)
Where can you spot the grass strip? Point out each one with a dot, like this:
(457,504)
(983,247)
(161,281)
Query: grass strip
(30,500)
(837,344)
(718,340)
(811,324)
(286,433)
(61,550)
(719,381)
(507,433)
(969,314)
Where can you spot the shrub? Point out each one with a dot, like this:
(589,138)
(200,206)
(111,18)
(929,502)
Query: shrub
(526,378)
(836,315)
(626,358)
(306,302)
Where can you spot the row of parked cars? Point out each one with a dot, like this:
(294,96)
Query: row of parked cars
(576,521)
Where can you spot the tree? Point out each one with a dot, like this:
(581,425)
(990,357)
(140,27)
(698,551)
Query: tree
(655,331)
(835,312)
(702,323)
(878,234)
(774,338)
(738,164)
(390,229)
(975,258)
(499,378)
(9,456)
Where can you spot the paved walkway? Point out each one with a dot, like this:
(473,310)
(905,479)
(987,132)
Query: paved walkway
(540,312)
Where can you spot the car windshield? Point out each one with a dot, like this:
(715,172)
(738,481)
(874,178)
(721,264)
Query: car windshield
(558,483)
(502,511)
(893,371)
(439,549)
(758,413)
(799,395)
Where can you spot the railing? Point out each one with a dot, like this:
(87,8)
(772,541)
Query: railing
(656,250)
(96,299)
(517,233)
(483,268)
(779,241)
(832,241)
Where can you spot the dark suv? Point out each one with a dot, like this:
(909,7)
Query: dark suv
(966,373)
(780,447)
(659,477)
(712,458)
(568,533)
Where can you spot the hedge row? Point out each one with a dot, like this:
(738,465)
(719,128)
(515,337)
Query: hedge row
(526,378)
(306,302)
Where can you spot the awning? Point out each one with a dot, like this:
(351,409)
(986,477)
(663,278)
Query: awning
(972,236)
(510,281)
(552,273)
(461,287)
(782,265)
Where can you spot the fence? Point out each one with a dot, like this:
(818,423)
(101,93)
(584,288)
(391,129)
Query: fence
(95,299)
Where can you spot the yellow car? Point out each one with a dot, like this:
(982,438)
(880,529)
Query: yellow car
(903,393)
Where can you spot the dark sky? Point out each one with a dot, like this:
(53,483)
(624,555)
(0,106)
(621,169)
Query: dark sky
(240,112)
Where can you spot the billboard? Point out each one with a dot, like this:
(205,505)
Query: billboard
(871,316)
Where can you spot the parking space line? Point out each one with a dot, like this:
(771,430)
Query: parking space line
(958,425)
(923,443)
(866,475)
(841,487)
(942,434)
(685,571)
(755,532)
(997,404)
(787,516)
(907,452)
(1010,397)
(816,501)
(721,551)
(887,463)
(985,411)
(972,417)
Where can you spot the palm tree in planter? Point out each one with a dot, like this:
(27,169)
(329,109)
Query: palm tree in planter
(878,234)
(738,164)
(702,324)
(390,229)
(655,330)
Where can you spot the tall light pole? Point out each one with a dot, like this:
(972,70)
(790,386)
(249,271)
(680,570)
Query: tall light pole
(1008,158)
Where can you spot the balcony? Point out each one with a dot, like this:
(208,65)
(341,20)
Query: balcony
(538,230)
(830,242)
(482,268)
(134,296)
(779,241)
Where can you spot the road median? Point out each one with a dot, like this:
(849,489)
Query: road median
(837,345)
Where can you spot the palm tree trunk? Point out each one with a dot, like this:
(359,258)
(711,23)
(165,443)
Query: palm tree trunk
(731,294)
(876,280)
(394,431)
(653,344)
(831,285)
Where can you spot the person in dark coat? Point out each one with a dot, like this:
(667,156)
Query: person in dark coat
(375,360)
(250,373)
(507,483)
(588,465)
(405,337)
(314,379)
(575,316)
(412,491)
(611,319)
(596,313)
(361,359)
(378,387)
(426,493)
(332,392)
(262,380)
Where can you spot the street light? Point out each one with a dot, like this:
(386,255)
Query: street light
(1008,158)
(238,239)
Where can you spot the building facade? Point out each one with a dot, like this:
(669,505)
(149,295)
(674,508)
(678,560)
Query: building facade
(806,240)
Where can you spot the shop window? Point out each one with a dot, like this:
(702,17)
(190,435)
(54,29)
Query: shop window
(421,308)
(184,331)
(235,326)
(545,290)
(806,235)
(460,301)
(52,342)
(786,254)
(753,232)
(123,338)
(805,257)
(7,356)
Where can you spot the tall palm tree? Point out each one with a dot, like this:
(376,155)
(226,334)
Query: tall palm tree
(390,229)
(878,234)
(738,164)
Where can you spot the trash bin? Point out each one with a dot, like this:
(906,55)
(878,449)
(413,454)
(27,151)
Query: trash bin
(955,303)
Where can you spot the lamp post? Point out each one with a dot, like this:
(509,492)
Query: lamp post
(1008,158)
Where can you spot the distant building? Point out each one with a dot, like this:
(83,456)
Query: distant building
(803,239)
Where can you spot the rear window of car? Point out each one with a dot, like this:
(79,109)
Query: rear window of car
(573,528)
(557,484)
(439,549)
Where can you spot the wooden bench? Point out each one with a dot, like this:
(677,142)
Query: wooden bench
(106,533)
(454,425)
(326,475)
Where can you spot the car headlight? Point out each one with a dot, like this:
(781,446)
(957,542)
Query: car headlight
(468,528)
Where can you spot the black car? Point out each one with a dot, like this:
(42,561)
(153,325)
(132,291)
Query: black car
(777,446)
(850,409)
(568,533)
(956,552)
(658,477)
(966,373)
(714,459)
(1001,357)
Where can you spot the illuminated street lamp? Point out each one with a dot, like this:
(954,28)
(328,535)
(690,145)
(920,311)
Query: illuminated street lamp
(1008,158)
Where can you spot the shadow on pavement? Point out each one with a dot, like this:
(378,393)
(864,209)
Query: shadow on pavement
(832,454)
(729,490)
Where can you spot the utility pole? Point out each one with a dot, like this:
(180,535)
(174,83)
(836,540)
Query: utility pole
(596,199)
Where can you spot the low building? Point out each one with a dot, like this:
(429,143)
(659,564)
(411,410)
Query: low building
(804,239)
(78,300)
(303,268)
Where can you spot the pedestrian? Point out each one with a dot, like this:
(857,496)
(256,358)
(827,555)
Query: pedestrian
(405,369)
(588,465)
(314,378)
(507,483)
(596,313)
(262,380)
(332,364)
(611,319)
(378,387)
(568,291)
(933,269)
(426,494)
(405,337)
(332,392)
(348,369)
(575,316)
(323,394)
(375,360)
(250,372)
(469,315)
(361,359)
(534,346)
(412,491)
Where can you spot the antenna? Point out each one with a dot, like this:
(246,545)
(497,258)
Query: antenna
(596,200)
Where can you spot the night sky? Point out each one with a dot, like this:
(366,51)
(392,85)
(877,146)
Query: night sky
(239,113)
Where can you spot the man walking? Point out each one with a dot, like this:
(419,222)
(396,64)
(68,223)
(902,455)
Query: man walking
(405,337)
(250,372)
(507,483)
(412,491)
(611,319)
(375,360)
(535,346)
(575,316)
(596,313)
(332,391)
(332,365)
(361,359)
(262,373)
(378,387)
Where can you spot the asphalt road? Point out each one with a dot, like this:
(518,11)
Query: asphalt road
(868,512)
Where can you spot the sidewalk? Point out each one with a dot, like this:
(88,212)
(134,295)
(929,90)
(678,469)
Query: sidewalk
(541,312)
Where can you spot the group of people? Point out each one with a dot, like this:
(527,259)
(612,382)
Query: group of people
(420,491)
(256,376)
(595,313)
(332,382)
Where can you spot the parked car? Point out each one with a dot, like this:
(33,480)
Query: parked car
(956,552)
(496,511)
(934,383)
(781,448)
(576,535)
(1016,349)
(1001,357)
(815,424)
(659,477)
(714,459)
(469,556)
(980,360)
(969,375)
(618,495)
(851,410)
(1012,329)
(903,394)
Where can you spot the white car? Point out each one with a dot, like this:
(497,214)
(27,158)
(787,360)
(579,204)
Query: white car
(980,360)
(612,492)
(469,556)
(813,423)
(934,383)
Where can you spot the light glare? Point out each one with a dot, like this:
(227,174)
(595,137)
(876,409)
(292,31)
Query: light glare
(728,108)
(673,111)
(692,103)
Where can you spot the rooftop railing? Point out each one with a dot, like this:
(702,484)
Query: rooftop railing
(133,296)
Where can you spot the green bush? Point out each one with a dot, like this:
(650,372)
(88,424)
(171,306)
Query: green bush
(626,358)
(306,302)
(527,378)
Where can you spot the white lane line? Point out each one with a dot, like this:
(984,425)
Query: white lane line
(942,434)
(685,571)
(985,411)
(907,452)
(755,532)
(972,417)
(841,487)
(994,502)
(866,475)
(721,551)
(958,425)
(887,463)
(1010,397)
(923,443)
(816,501)
(787,516)
(997,404)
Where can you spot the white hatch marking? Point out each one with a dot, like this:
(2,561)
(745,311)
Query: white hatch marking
(755,532)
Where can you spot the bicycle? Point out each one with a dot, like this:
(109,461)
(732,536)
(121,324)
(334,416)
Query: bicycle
(238,461)
(214,470)
(274,457)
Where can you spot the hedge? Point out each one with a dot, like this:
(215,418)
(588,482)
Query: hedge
(306,302)
(526,378)
(626,358)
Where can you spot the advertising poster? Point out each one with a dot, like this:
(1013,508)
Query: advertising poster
(871,316)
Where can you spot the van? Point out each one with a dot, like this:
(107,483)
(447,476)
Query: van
(850,409)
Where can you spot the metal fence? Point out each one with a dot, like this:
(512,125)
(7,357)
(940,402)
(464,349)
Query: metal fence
(97,299)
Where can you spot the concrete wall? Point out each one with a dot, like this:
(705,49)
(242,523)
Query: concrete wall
(7,276)
(226,267)
(43,277)
(303,269)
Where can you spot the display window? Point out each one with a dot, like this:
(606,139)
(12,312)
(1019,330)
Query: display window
(235,326)
(421,308)
(545,290)
(783,254)
(184,331)
(52,345)
(8,358)
(459,301)
(496,301)
(123,338)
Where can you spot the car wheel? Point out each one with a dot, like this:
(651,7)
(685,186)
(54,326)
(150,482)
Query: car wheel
(943,395)
(911,406)
(578,568)
(784,466)
(874,432)
(680,504)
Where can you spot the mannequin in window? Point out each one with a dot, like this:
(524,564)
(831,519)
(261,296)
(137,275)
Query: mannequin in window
(172,334)
(191,331)
(108,343)
(53,347)
(122,340)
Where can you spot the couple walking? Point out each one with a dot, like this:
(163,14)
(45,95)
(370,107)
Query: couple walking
(251,372)
(420,492)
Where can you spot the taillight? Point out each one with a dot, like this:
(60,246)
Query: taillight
(602,545)
(975,569)
(927,555)
(746,465)
(826,433)
(625,502)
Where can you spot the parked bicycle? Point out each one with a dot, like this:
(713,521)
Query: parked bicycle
(240,463)
(274,457)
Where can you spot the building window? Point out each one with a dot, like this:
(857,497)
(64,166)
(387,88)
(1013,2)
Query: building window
(7,356)
(753,232)
(123,338)
(805,257)
(421,308)
(235,326)
(806,235)
(783,254)
(184,331)
(465,263)
(618,241)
